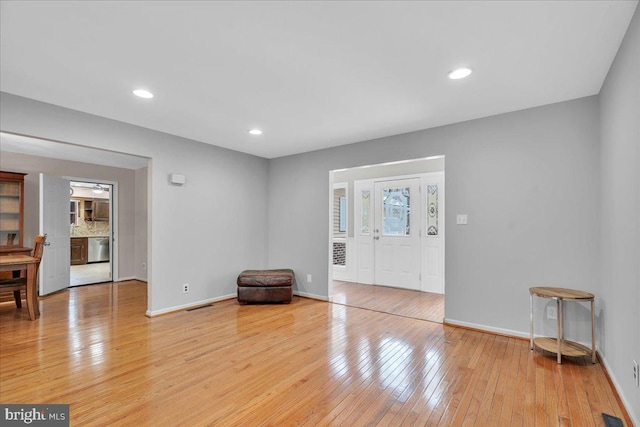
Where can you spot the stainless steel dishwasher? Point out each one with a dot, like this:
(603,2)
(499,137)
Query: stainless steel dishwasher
(98,249)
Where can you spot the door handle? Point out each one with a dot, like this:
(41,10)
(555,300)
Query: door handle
(47,243)
(376,238)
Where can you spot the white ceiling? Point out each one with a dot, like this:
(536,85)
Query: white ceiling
(309,74)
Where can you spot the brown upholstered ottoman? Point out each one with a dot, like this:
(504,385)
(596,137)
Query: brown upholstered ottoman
(266,286)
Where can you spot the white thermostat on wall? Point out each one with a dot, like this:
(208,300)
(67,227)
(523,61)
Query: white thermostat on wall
(177,179)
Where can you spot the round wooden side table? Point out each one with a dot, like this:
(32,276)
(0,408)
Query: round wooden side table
(559,345)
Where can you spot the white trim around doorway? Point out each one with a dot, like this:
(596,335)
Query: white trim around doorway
(113,219)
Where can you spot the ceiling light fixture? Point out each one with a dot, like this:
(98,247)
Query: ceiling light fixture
(255,132)
(98,189)
(143,93)
(460,73)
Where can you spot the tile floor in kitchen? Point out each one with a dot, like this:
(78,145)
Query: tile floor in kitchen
(86,274)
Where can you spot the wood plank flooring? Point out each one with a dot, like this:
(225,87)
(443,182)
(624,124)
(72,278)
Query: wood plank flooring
(308,363)
(401,302)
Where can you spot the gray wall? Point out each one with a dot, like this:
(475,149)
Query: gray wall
(141,223)
(203,233)
(619,287)
(33,165)
(528,181)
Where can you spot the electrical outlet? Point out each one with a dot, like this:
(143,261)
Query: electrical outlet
(552,312)
(144,265)
(636,373)
(185,288)
(308,278)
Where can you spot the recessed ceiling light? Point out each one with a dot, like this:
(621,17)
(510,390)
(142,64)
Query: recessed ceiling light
(255,132)
(460,73)
(143,93)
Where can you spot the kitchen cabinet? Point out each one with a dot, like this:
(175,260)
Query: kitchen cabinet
(101,210)
(79,250)
(96,210)
(88,210)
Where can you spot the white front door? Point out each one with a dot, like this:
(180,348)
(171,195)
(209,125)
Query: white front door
(396,235)
(54,223)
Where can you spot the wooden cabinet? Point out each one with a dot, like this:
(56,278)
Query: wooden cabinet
(11,211)
(101,210)
(79,250)
(12,219)
(96,210)
(88,210)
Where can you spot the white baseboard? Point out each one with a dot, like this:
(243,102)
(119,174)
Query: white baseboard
(153,313)
(124,279)
(343,276)
(634,416)
(500,331)
(312,296)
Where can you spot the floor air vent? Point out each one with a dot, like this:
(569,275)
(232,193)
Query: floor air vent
(198,308)
(611,421)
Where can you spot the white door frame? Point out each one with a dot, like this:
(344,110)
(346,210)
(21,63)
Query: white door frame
(113,220)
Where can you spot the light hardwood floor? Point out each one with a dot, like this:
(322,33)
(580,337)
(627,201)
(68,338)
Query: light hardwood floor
(401,302)
(307,363)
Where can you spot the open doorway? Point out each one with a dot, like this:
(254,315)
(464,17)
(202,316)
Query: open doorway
(128,177)
(387,238)
(91,231)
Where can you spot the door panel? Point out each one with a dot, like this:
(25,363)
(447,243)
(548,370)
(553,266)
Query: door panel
(387,257)
(363,208)
(404,259)
(433,246)
(54,223)
(397,220)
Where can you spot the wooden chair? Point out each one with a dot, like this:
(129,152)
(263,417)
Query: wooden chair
(18,284)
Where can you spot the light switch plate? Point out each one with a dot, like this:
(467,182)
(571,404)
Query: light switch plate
(461,219)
